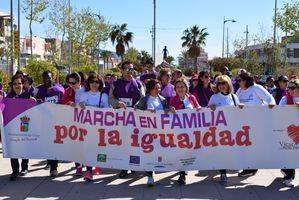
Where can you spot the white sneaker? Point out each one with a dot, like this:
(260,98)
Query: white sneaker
(288,183)
(150,181)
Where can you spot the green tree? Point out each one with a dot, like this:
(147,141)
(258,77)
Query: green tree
(33,10)
(106,55)
(288,18)
(120,35)
(36,68)
(4,80)
(59,17)
(133,55)
(143,57)
(169,59)
(85,69)
(88,31)
(193,39)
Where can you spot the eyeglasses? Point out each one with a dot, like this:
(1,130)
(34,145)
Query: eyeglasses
(169,75)
(17,83)
(72,83)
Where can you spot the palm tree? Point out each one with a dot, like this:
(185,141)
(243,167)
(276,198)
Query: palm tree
(193,38)
(106,56)
(120,35)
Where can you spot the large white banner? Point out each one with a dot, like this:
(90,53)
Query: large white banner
(228,138)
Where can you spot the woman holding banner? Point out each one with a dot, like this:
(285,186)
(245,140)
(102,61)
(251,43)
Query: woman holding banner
(18,91)
(251,94)
(224,96)
(183,100)
(152,102)
(291,98)
(93,96)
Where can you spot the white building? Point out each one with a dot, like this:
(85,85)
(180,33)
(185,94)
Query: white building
(289,52)
(4,40)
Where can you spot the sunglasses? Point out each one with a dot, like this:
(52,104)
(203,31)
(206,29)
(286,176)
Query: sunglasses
(72,83)
(131,69)
(17,84)
(221,83)
(206,76)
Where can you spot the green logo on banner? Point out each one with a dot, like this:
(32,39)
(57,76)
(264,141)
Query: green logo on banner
(102,158)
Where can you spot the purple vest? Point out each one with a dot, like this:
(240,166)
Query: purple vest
(133,92)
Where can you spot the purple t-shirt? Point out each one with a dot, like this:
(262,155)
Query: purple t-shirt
(167,91)
(53,94)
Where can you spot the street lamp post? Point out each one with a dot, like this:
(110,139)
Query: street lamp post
(11,69)
(154,34)
(224,22)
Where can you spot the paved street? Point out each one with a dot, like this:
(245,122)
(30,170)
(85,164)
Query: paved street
(37,185)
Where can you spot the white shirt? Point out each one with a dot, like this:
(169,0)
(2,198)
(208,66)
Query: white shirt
(284,101)
(154,103)
(187,103)
(78,93)
(255,95)
(93,99)
(220,99)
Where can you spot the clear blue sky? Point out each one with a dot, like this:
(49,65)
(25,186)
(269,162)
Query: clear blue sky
(173,16)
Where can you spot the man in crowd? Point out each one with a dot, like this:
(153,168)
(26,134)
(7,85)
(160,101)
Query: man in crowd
(53,93)
(151,72)
(126,92)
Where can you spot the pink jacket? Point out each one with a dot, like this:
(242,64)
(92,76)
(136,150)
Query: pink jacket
(178,105)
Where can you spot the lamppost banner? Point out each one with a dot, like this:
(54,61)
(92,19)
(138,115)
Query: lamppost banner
(228,138)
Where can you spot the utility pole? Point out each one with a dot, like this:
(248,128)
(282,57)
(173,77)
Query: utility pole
(154,37)
(70,35)
(275,16)
(227,51)
(11,68)
(246,42)
(19,35)
(274,39)
(246,32)
(223,37)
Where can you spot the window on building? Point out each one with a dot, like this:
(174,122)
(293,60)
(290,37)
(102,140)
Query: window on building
(290,53)
(296,53)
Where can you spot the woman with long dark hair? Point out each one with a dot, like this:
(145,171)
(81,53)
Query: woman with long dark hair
(203,91)
(93,96)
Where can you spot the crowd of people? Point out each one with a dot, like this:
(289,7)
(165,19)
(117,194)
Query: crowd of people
(167,90)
